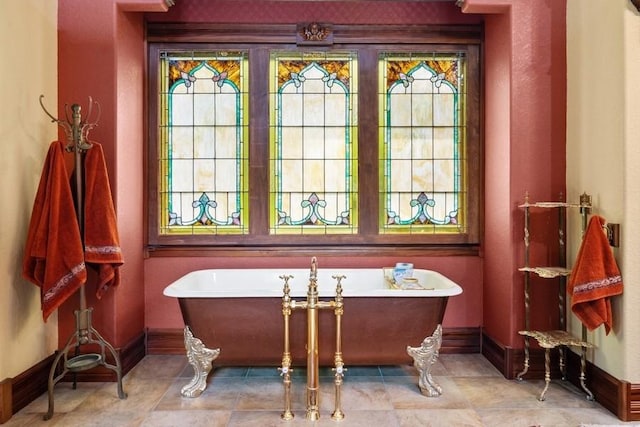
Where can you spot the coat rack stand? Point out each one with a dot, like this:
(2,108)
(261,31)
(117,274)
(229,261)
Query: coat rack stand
(77,131)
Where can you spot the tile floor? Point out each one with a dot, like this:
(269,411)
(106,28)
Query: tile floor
(474,394)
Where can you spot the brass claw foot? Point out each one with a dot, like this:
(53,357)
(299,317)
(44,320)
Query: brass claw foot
(201,359)
(423,359)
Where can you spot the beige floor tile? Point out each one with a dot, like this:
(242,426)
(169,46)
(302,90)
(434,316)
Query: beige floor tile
(497,393)
(545,417)
(65,398)
(466,365)
(160,366)
(406,394)
(439,418)
(191,418)
(474,394)
(560,394)
(267,394)
(23,419)
(352,419)
(357,393)
(102,419)
(221,394)
(142,396)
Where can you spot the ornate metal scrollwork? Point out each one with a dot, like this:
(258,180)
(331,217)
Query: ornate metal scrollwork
(424,357)
(200,358)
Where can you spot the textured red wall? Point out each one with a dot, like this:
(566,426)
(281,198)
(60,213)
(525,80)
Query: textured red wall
(334,12)
(525,131)
(465,310)
(101,55)
(525,101)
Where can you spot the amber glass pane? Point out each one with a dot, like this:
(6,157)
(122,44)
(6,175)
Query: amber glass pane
(422,143)
(313,140)
(203,143)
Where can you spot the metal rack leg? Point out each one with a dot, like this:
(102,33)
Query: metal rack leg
(583,367)
(562,352)
(524,371)
(547,372)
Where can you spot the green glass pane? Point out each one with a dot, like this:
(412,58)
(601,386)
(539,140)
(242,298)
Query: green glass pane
(313,143)
(422,149)
(204,142)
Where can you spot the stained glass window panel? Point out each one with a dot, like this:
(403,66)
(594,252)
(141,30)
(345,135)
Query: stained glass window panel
(203,143)
(313,143)
(422,143)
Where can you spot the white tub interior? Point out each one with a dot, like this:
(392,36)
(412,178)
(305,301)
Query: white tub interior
(358,282)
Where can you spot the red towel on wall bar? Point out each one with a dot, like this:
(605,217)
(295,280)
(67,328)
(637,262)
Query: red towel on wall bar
(53,257)
(101,241)
(595,278)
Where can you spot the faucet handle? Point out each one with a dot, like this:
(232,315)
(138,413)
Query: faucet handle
(286,278)
(313,274)
(339,278)
(284,370)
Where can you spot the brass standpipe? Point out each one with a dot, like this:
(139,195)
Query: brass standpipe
(285,370)
(312,305)
(339,368)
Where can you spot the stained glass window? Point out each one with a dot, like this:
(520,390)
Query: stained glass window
(369,145)
(313,143)
(422,143)
(203,140)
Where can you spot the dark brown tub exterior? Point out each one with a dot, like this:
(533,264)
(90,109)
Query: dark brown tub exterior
(250,331)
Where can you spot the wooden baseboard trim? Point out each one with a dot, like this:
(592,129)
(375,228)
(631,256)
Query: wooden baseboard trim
(18,392)
(165,341)
(497,355)
(619,397)
(632,408)
(30,384)
(461,340)
(5,400)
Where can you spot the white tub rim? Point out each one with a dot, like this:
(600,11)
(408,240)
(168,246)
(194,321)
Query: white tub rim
(196,284)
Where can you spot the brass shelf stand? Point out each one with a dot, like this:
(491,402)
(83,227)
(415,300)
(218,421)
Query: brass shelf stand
(560,338)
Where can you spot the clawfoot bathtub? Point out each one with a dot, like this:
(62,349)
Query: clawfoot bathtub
(238,313)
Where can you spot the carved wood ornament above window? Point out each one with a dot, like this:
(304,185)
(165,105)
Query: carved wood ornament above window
(314,33)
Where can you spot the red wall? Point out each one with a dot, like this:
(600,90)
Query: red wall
(101,54)
(466,310)
(334,12)
(525,99)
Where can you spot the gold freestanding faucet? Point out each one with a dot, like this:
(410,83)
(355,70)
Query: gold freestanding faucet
(312,305)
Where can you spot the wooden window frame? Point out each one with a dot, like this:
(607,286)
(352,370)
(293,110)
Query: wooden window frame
(259,40)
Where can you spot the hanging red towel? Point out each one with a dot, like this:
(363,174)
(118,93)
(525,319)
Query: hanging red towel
(595,278)
(101,241)
(53,257)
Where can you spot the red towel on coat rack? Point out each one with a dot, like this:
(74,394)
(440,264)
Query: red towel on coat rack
(101,241)
(53,257)
(595,278)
